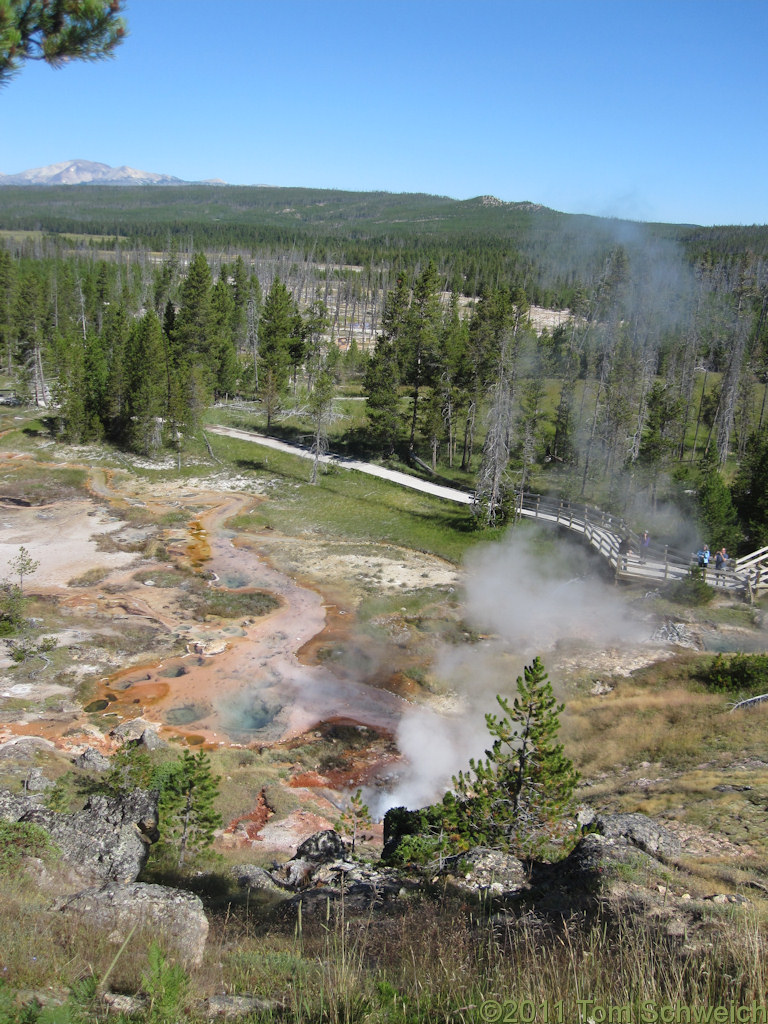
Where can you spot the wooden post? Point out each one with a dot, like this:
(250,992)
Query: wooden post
(666,561)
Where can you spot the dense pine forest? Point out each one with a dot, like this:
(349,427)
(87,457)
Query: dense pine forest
(128,312)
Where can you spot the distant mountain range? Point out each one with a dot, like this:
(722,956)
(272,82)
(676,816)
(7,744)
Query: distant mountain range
(86,172)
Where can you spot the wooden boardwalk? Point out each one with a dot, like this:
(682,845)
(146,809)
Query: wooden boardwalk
(603,531)
(658,563)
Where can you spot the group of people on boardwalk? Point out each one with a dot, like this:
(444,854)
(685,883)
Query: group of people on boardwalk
(704,557)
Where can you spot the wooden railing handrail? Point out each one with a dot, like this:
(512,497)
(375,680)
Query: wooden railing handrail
(747,561)
(603,530)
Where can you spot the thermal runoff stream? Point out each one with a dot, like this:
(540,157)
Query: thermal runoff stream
(245,683)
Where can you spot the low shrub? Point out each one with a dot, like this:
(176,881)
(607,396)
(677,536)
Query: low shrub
(19,839)
(737,673)
(692,590)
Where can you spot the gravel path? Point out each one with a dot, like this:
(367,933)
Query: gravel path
(449,493)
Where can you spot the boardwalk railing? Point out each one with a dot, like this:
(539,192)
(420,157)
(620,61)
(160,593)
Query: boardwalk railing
(653,563)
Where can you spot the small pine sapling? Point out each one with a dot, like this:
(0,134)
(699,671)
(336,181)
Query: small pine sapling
(354,818)
(518,796)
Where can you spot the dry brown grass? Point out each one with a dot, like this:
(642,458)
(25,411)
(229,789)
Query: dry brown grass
(660,745)
(663,715)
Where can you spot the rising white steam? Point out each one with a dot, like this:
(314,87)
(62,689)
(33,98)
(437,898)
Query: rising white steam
(526,597)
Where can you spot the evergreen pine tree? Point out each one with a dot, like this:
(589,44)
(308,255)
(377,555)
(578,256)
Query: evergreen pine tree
(354,818)
(117,328)
(7,284)
(381,387)
(222,365)
(751,489)
(718,519)
(57,31)
(193,327)
(277,328)
(188,818)
(517,797)
(146,395)
(419,344)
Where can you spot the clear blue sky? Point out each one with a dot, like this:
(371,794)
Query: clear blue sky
(646,109)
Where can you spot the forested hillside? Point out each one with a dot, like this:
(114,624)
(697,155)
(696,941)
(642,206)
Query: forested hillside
(129,311)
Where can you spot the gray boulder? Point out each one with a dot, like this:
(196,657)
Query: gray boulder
(233,1007)
(250,876)
(174,917)
(36,782)
(138,733)
(108,840)
(353,897)
(640,831)
(484,870)
(355,886)
(618,839)
(321,847)
(592,856)
(13,807)
(91,761)
(24,749)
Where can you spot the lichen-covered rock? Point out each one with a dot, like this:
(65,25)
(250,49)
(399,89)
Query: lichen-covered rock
(641,831)
(13,806)
(592,857)
(321,847)
(621,839)
(36,782)
(131,730)
(355,898)
(232,1007)
(91,761)
(176,918)
(108,840)
(325,847)
(139,733)
(250,876)
(484,870)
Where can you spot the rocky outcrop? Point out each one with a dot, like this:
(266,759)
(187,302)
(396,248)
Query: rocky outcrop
(138,733)
(90,760)
(320,848)
(174,917)
(640,831)
(108,840)
(483,870)
(250,876)
(617,839)
(356,887)
(13,806)
(234,1007)
(321,873)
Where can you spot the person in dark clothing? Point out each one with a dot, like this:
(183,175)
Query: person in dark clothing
(721,557)
(645,543)
(624,551)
